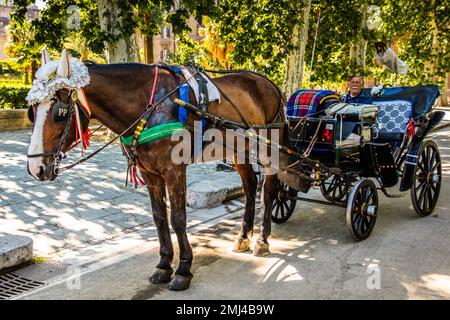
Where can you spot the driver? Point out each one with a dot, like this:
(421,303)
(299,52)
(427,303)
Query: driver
(355,94)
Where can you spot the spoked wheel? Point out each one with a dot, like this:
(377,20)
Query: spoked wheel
(427,179)
(362,207)
(284,203)
(335,189)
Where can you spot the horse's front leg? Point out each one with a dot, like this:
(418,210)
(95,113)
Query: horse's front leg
(270,189)
(157,190)
(176,186)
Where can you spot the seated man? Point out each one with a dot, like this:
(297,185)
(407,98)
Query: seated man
(355,94)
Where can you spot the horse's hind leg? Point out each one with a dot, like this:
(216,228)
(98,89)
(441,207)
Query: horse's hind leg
(157,191)
(270,189)
(176,185)
(250,183)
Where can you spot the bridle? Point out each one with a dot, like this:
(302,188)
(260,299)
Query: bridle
(67,115)
(73,104)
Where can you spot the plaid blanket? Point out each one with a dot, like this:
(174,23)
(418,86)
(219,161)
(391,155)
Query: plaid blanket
(308,102)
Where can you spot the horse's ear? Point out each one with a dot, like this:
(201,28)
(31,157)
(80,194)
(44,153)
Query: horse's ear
(45,57)
(63,70)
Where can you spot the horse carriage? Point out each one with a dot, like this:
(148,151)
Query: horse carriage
(343,149)
(350,151)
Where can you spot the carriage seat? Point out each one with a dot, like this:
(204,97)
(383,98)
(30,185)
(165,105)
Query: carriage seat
(366,113)
(393,118)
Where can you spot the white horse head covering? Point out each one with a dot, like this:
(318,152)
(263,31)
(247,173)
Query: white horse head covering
(55,75)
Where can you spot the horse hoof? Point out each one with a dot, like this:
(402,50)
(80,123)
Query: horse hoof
(261,249)
(241,244)
(180,283)
(161,276)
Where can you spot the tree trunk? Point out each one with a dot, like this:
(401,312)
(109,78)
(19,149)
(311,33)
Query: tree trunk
(296,59)
(444,97)
(148,49)
(34,68)
(27,75)
(125,49)
(359,49)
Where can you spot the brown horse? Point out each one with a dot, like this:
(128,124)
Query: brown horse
(117,95)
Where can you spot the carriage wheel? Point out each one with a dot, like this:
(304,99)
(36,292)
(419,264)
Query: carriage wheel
(362,207)
(335,189)
(284,203)
(427,179)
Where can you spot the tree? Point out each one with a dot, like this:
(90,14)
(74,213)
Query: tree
(260,32)
(124,47)
(418,31)
(110,25)
(210,52)
(295,60)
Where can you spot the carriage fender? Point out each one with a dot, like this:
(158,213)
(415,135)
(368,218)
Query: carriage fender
(412,154)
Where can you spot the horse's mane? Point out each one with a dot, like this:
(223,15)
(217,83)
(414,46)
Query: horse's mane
(113,66)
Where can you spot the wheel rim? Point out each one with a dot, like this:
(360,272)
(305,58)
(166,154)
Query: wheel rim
(284,204)
(334,189)
(427,180)
(362,209)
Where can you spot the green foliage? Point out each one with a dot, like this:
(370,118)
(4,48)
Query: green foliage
(146,16)
(12,95)
(260,32)
(22,46)
(406,26)
(10,70)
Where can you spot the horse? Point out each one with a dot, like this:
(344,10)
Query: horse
(117,94)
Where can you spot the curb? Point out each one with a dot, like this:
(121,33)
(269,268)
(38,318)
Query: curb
(15,251)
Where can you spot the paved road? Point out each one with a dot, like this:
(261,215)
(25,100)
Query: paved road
(88,206)
(313,257)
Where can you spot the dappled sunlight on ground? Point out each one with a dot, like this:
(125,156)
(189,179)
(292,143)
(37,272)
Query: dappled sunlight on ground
(436,286)
(84,205)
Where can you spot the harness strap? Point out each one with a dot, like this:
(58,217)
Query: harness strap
(132,155)
(143,122)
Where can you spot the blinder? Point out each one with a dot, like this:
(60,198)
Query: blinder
(31,114)
(60,112)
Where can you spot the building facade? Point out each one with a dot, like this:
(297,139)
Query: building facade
(5,10)
(165,44)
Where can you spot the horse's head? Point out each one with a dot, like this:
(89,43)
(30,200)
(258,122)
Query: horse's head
(58,123)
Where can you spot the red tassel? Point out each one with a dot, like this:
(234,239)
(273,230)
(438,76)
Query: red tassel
(85,139)
(134,177)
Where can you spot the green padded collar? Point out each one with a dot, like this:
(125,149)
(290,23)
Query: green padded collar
(154,133)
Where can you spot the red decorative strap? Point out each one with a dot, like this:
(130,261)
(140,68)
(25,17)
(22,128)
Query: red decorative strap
(155,81)
(411,127)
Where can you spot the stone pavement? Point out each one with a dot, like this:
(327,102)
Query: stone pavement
(312,257)
(87,205)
